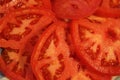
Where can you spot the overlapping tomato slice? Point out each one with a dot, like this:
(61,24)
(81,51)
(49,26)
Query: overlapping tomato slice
(6,5)
(23,24)
(52,58)
(59,39)
(74,9)
(97,43)
(18,37)
(109,8)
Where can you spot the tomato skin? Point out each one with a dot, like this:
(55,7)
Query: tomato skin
(74,9)
(83,44)
(109,10)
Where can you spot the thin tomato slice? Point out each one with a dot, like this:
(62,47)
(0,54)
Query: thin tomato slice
(109,8)
(15,4)
(33,3)
(23,24)
(97,43)
(53,57)
(74,9)
(15,57)
(8,6)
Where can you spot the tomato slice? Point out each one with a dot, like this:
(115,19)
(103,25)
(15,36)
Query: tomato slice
(23,24)
(74,9)
(97,43)
(52,58)
(15,4)
(14,64)
(109,8)
(16,54)
(33,3)
(7,6)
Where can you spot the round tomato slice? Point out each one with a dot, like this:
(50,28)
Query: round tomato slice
(74,9)
(22,25)
(15,62)
(109,8)
(52,58)
(97,43)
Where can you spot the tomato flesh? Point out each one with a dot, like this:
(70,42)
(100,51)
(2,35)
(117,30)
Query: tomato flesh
(97,44)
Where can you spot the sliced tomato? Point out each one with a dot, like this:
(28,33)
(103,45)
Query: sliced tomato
(22,25)
(33,3)
(14,64)
(97,43)
(16,54)
(109,8)
(52,58)
(9,4)
(74,9)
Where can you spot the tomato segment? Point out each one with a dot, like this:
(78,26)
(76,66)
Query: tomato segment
(97,43)
(74,9)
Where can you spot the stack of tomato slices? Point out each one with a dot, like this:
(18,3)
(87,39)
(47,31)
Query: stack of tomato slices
(60,39)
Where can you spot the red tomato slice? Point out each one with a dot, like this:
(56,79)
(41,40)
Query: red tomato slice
(14,64)
(33,3)
(15,58)
(74,9)
(109,8)
(97,43)
(22,25)
(5,4)
(52,59)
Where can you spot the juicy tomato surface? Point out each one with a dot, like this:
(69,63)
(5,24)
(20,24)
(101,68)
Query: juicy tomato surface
(74,9)
(109,8)
(22,25)
(97,43)
(52,58)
